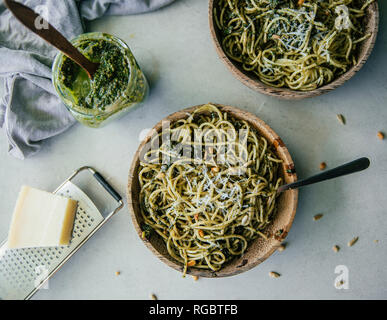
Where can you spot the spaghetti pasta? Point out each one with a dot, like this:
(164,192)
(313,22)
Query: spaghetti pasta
(301,45)
(210,189)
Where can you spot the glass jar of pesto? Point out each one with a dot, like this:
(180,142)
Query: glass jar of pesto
(117,87)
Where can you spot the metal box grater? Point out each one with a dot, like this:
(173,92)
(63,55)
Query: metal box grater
(24,271)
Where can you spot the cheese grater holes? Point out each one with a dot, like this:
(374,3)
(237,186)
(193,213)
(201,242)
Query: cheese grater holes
(22,270)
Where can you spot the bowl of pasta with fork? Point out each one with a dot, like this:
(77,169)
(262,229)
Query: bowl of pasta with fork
(202,191)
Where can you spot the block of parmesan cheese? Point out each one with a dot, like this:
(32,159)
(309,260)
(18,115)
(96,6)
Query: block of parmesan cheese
(41,219)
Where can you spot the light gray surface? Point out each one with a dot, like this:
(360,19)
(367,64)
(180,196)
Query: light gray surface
(174,48)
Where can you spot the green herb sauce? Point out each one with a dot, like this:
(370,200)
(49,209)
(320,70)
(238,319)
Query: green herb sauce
(109,82)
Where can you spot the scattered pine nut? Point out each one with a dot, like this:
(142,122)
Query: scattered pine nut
(274,274)
(336,248)
(380,135)
(318,216)
(153,296)
(196,278)
(275,36)
(300,2)
(160,175)
(215,169)
(201,233)
(340,283)
(118,273)
(245,220)
(282,247)
(323,165)
(353,241)
(341,118)
(191,263)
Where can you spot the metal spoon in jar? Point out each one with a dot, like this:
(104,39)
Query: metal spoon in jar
(348,168)
(28,18)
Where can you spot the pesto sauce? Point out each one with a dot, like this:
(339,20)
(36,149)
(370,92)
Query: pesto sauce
(109,82)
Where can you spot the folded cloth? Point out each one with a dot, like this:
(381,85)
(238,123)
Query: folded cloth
(30,110)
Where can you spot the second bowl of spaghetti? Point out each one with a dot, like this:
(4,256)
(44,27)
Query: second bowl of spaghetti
(294,49)
(203,190)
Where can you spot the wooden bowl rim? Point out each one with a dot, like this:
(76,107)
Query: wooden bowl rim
(286,93)
(280,149)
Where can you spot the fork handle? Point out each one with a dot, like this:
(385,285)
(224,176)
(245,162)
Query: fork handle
(348,168)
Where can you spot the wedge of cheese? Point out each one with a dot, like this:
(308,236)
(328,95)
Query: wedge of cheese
(41,219)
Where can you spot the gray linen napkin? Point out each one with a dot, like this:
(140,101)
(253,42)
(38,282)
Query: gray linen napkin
(30,111)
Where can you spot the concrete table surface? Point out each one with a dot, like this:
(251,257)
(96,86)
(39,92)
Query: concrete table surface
(174,48)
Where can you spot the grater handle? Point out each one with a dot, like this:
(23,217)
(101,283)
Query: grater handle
(103,183)
(64,253)
(107,186)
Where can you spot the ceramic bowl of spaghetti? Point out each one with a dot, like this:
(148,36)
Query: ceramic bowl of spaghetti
(202,191)
(294,49)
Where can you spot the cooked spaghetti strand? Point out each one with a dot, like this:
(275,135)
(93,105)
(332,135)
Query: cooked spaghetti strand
(301,45)
(210,189)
